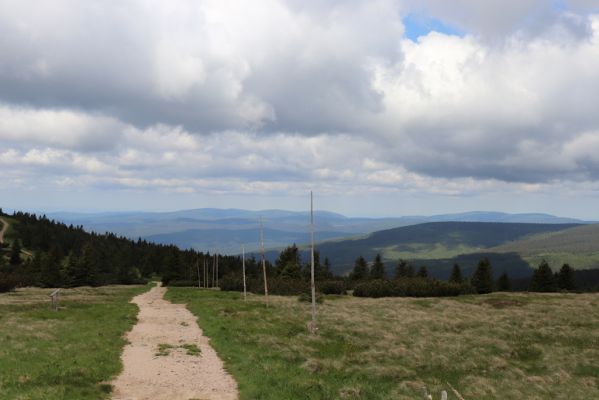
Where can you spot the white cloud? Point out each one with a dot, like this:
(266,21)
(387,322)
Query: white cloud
(273,96)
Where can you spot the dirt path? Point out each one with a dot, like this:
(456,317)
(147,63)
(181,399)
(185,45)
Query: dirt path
(177,375)
(3,231)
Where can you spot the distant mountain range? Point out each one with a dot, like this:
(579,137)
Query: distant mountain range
(227,229)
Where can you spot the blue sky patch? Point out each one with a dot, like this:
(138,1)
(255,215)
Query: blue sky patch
(417,25)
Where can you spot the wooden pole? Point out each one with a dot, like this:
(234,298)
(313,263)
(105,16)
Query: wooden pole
(216,268)
(263,262)
(243,269)
(313,327)
(199,279)
(213,267)
(205,274)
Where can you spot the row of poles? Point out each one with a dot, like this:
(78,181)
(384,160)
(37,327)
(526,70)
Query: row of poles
(206,273)
(312,328)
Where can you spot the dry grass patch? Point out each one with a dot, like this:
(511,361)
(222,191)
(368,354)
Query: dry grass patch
(498,346)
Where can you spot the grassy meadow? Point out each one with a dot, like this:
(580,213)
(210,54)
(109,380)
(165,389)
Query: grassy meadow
(71,353)
(498,346)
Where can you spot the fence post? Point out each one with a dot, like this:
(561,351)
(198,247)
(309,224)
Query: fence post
(54,298)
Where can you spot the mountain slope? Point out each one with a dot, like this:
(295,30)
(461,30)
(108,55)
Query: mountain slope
(204,228)
(437,240)
(578,246)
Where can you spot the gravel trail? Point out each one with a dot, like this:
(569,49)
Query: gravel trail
(175,374)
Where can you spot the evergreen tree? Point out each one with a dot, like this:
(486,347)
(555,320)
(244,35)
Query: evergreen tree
(289,262)
(456,274)
(377,271)
(542,279)
(422,272)
(326,269)
(401,269)
(503,283)
(565,278)
(482,280)
(15,253)
(360,271)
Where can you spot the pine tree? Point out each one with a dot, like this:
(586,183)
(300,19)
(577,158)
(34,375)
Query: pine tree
(360,271)
(289,262)
(401,269)
(503,283)
(565,278)
(482,280)
(456,274)
(377,271)
(15,253)
(422,272)
(542,279)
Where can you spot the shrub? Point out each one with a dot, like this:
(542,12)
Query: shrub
(331,287)
(376,288)
(307,298)
(411,287)
(182,283)
(7,282)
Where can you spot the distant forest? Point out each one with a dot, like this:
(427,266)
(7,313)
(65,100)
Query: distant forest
(45,253)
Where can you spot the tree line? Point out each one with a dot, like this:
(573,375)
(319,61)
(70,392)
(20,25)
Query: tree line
(60,255)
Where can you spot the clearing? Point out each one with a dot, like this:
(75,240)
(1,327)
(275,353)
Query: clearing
(498,346)
(168,357)
(69,354)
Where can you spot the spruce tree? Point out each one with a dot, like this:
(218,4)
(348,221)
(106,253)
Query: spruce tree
(289,262)
(565,278)
(360,271)
(542,279)
(422,272)
(401,269)
(15,253)
(503,283)
(456,274)
(377,271)
(482,280)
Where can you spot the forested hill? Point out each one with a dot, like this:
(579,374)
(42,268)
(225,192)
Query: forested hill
(42,252)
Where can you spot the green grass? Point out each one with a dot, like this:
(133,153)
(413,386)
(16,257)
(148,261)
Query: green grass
(422,251)
(72,353)
(164,349)
(556,260)
(499,346)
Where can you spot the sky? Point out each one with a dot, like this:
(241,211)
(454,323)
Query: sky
(381,107)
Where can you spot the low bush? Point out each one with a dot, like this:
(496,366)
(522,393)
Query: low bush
(7,282)
(410,287)
(307,298)
(182,283)
(331,287)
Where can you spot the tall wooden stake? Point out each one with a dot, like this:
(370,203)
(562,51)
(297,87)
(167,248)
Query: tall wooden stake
(213,268)
(263,262)
(216,268)
(205,274)
(313,327)
(199,279)
(243,269)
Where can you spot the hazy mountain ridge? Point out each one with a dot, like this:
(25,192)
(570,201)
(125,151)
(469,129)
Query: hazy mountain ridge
(204,228)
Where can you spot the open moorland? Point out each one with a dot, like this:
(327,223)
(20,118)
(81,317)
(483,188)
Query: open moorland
(72,353)
(497,346)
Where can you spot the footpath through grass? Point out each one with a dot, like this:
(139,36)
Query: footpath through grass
(499,346)
(72,353)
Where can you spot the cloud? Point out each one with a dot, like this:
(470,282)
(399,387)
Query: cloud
(274,96)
